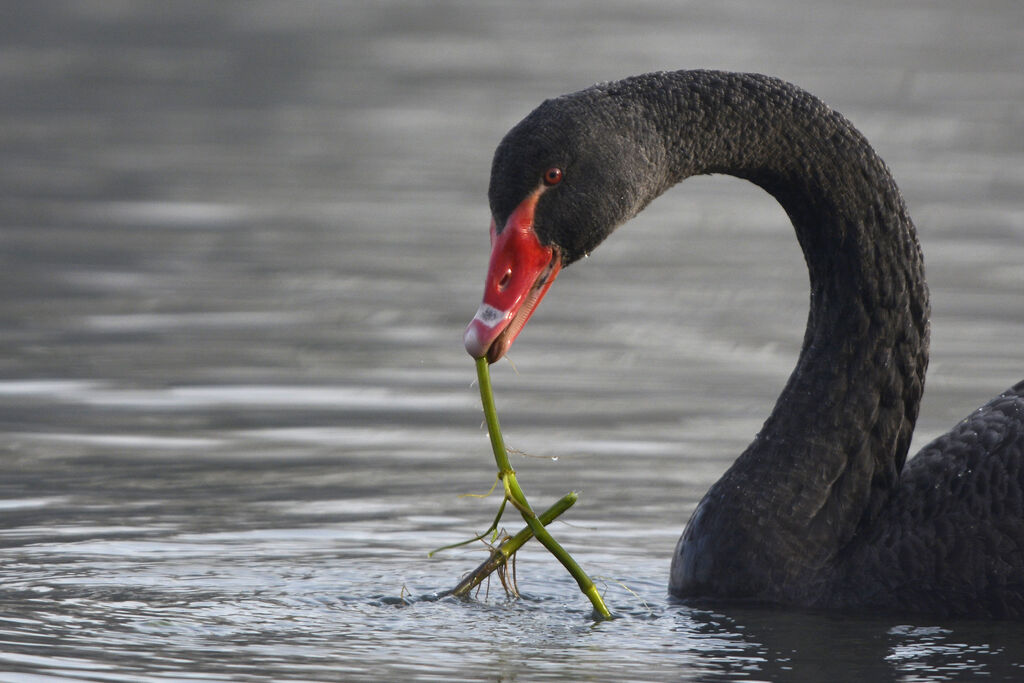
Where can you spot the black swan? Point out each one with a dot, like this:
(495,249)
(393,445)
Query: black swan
(819,511)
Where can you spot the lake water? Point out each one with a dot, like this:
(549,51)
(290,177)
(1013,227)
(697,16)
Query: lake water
(239,242)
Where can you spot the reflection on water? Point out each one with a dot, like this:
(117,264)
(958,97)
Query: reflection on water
(238,246)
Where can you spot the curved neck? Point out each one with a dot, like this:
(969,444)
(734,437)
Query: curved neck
(830,453)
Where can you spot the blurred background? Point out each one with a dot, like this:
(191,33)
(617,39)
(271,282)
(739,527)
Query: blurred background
(240,241)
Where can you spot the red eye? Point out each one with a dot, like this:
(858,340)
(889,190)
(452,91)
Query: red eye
(553,176)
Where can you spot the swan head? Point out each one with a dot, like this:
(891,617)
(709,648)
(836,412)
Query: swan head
(562,180)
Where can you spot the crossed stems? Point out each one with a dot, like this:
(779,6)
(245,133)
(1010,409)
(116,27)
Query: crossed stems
(514,494)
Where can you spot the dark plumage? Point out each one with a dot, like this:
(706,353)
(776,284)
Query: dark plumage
(819,510)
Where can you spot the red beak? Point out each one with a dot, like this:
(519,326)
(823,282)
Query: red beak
(520,272)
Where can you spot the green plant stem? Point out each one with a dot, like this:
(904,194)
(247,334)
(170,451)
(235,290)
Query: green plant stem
(500,555)
(493,528)
(515,493)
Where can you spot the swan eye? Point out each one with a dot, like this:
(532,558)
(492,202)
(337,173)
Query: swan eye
(553,176)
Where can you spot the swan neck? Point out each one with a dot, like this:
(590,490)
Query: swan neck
(830,454)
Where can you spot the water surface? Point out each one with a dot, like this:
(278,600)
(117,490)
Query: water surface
(239,242)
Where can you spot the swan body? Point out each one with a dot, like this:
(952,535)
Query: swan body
(823,509)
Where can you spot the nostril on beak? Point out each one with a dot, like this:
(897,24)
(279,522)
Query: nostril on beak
(505,279)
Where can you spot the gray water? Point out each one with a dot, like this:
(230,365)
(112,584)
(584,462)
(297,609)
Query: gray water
(239,242)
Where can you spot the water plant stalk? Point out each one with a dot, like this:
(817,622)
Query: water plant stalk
(501,554)
(514,493)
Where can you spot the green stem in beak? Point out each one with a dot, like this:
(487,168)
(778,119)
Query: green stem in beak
(514,493)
